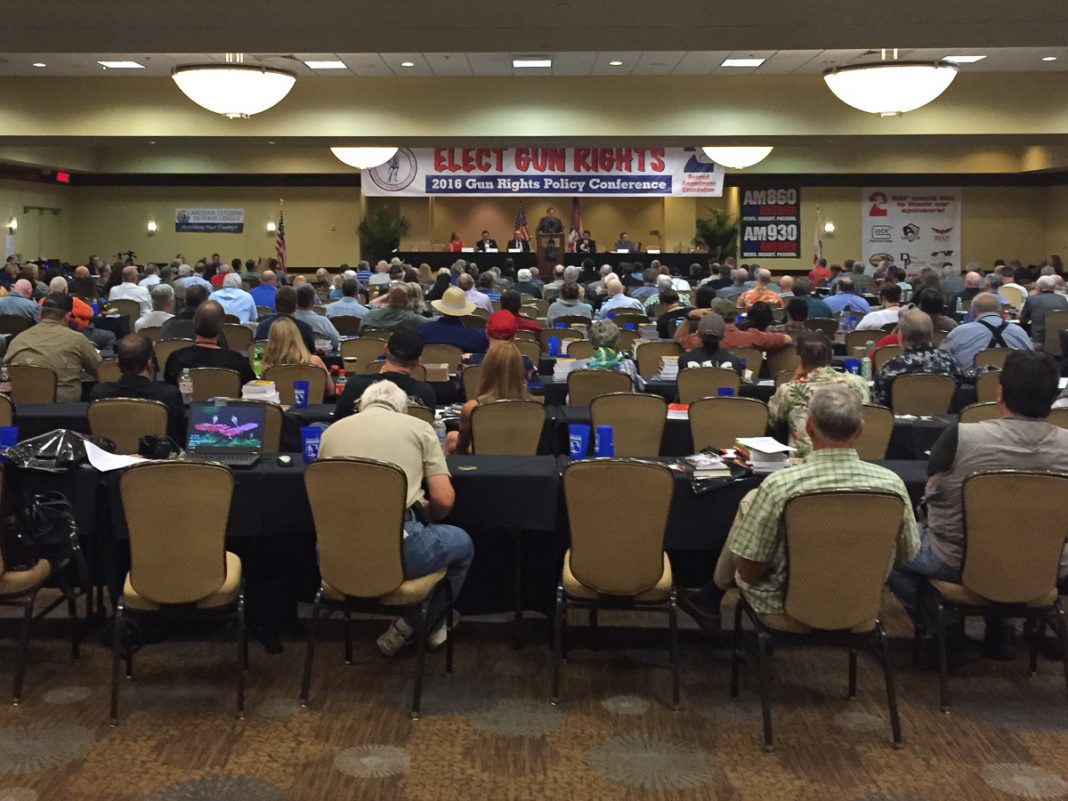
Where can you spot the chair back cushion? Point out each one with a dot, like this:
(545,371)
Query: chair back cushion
(283,376)
(507,427)
(650,354)
(695,383)
(585,385)
(922,393)
(718,422)
(978,412)
(125,420)
(32,383)
(637,421)
(212,382)
(873,441)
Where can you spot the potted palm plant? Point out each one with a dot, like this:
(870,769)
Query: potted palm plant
(380,232)
(719,233)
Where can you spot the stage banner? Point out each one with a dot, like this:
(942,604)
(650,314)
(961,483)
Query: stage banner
(911,226)
(209,221)
(770,223)
(604,171)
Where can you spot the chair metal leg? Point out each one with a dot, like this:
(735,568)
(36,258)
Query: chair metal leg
(24,647)
(558,643)
(673,620)
(852,673)
(242,656)
(420,658)
(348,636)
(888,676)
(1033,633)
(116,660)
(595,631)
(448,628)
(736,652)
(943,665)
(309,653)
(72,614)
(763,657)
(1061,629)
(518,637)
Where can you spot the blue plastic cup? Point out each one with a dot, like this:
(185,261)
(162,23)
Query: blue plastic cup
(852,365)
(560,325)
(604,444)
(724,392)
(578,440)
(9,435)
(630,326)
(310,437)
(301,390)
(554,346)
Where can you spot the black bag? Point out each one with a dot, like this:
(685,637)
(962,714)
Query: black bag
(153,446)
(44,529)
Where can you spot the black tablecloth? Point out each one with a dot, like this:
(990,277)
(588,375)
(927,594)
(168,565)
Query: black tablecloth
(483,260)
(556,391)
(678,263)
(33,419)
(675,441)
(912,439)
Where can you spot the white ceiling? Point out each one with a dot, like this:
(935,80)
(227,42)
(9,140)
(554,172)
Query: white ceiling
(781,62)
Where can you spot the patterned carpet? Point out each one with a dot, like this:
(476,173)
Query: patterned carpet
(490,733)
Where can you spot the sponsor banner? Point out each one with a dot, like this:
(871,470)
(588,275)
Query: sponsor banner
(209,221)
(911,227)
(770,224)
(604,171)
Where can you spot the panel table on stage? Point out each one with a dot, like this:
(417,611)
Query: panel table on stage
(437,260)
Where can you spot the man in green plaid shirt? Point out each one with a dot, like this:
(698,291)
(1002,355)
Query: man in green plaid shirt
(755,553)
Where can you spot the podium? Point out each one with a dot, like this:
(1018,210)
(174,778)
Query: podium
(550,249)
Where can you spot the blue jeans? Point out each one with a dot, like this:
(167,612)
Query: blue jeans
(909,580)
(431,547)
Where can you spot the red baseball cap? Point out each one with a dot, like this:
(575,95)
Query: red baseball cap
(501,325)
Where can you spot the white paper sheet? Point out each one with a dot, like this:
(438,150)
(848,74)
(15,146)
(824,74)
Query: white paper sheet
(105,462)
(764,444)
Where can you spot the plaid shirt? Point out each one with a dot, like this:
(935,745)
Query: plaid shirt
(760,537)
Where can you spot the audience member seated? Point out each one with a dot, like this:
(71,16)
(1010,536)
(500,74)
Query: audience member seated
(151,278)
(648,288)
(709,353)
(1020,439)
(972,281)
(846,300)
(395,314)
(511,302)
(263,294)
(449,328)
(285,304)
(817,308)
(988,329)
(349,304)
(525,284)
(672,313)
(235,300)
(206,352)
(138,380)
(789,404)
(617,301)
(755,556)
(930,303)
(18,302)
(486,285)
(480,299)
(284,346)
(568,304)
(604,336)
(819,274)
(1038,305)
(442,281)
(796,314)
(761,293)
(503,378)
(739,277)
(686,331)
(919,356)
(81,319)
(890,298)
(402,354)
(180,326)
(383,430)
(52,344)
(162,307)
(129,290)
(753,333)
(327,339)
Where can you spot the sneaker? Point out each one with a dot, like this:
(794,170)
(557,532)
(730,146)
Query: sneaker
(710,622)
(397,636)
(437,637)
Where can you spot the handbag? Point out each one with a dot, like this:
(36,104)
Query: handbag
(153,446)
(44,529)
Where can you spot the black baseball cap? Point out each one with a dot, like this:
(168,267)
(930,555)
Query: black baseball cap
(58,301)
(405,346)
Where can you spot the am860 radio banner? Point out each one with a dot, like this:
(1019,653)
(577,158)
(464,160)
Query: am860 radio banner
(604,171)
(771,222)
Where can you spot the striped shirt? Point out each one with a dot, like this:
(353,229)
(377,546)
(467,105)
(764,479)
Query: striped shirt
(760,537)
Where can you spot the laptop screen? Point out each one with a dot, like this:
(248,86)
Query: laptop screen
(235,427)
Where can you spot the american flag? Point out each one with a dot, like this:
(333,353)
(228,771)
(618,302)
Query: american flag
(280,242)
(576,226)
(521,222)
(817,239)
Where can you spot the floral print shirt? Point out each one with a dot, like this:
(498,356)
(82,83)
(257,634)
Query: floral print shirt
(789,404)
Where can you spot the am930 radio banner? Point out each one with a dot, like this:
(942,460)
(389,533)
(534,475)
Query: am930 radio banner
(771,222)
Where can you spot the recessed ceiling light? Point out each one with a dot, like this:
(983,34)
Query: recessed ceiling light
(333,64)
(121,65)
(531,63)
(407,63)
(39,64)
(742,62)
(963,59)
(615,63)
(1049,58)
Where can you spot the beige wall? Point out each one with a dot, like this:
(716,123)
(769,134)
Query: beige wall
(39,234)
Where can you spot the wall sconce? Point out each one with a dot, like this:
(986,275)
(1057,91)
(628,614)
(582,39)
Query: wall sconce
(13,225)
(271,227)
(828,228)
(152,227)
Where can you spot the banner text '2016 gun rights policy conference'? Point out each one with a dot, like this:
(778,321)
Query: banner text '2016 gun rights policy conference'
(604,171)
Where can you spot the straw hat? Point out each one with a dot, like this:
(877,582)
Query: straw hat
(454,303)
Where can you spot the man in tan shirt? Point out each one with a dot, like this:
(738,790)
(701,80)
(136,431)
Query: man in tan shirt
(52,344)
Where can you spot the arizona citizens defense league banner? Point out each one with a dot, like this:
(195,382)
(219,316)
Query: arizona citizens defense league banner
(209,221)
(911,225)
(604,171)
(771,222)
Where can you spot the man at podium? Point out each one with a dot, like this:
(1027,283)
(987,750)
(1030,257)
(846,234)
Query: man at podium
(586,244)
(517,242)
(485,243)
(550,223)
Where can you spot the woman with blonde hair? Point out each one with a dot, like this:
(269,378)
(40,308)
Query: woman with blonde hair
(416,299)
(285,346)
(426,276)
(503,378)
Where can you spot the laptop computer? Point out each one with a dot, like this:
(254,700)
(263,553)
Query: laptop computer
(231,434)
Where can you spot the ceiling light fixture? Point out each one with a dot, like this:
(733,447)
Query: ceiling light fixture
(121,65)
(531,63)
(333,64)
(39,64)
(737,158)
(963,59)
(742,62)
(364,158)
(1049,58)
(890,88)
(234,89)
(615,63)
(407,63)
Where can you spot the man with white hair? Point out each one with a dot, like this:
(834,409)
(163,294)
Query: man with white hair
(480,299)
(151,276)
(381,274)
(1038,305)
(786,288)
(235,300)
(618,301)
(738,278)
(972,281)
(384,430)
(525,284)
(761,293)
(81,317)
(988,329)
(129,290)
(18,301)
(162,308)
(915,330)
(187,278)
(558,278)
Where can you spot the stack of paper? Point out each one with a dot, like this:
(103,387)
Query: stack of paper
(562,368)
(766,454)
(260,391)
(678,411)
(707,465)
(669,368)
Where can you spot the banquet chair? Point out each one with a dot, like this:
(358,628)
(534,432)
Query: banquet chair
(238,337)
(366,573)
(1014,296)
(108,370)
(922,393)
(211,382)
(179,565)
(978,412)
(283,376)
(873,441)
(507,428)
(531,349)
(828,601)
(579,349)
(882,355)
(471,377)
(616,559)
(529,310)
(992,357)
(370,368)
(585,385)
(263,311)
(125,420)
(525,336)
(7,411)
(1054,322)
(651,353)
(128,308)
(695,383)
(443,354)
(986,387)
(423,413)
(152,332)
(375,333)
(12,324)
(718,422)
(560,334)
(346,324)
(624,318)
(753,358)
(231,319)
(571,319)
(784,377)
(541,306)
(1058,417)
(31,383)
(637,421)
(939,337)
(782,359)
(825,325)
(476,321)
(859,339)
(165,347)
(1012,555)
(888,328)
(483,313)
(272,427)
(626,340)
(363,350)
